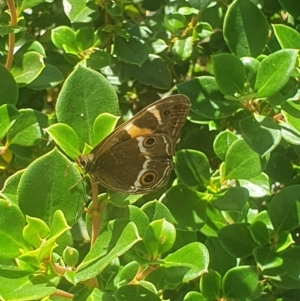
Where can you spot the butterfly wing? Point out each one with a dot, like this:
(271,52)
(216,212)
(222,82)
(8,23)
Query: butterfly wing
(124,162)
(166,116)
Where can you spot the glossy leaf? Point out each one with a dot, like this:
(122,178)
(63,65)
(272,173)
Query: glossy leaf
(222,143)
(56,193)
(78,105)
(192,168)
(124,235)
(8,87)
(285,209)
(242,162)
(206,98)
(179,268)
(275,71)
(79,11)
(11,225)
(287,36)
(210,284)
(188,214)
(233,199)
(245,35)
(133,51)
(258,186)
(229,73)
(65,137)
(144,74)
(240,282)
(28,68)
(8,113)
(261,133)
(237,240)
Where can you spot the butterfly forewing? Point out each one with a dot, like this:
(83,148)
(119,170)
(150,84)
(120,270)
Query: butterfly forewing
(137,156)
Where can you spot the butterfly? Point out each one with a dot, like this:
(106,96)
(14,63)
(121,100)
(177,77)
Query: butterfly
(137,157)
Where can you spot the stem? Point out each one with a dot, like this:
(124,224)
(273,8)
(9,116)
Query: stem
(95,212)
(63,294)
(11,36)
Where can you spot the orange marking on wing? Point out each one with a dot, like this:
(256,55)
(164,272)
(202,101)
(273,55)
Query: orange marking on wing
(135,131)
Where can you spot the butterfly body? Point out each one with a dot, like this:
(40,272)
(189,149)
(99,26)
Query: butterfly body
(138,156)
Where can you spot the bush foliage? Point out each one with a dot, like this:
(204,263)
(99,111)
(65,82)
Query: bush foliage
(226,227)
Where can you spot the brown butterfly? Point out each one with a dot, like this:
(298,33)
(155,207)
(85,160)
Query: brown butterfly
(137,157)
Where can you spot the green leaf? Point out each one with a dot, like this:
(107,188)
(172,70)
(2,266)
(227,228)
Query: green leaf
(104,124)
(28,68)
(192,168)
(279,168)
(189,215)
(259,233)
(173,22)
(58,193)
(237,240)
(230,74)
(291,263)
(127,272)
(63,35)
(81,11)
(220,260)
(284,241)
(241,162)
(118,237)
(24,4)
(289,133)
(240,282)
(9,29)
(35,231)
(135,292)
(11,226)
(287,36)
(199,4)
(84,38)
(258,186)
(194,296)
(71,256)
(30,45)
(251,66)
(8,113)
(66,138)
(133,51)
(156,211)
(210,284)
(261,133)
(98,60)
(186,263)
(266,259)
(233,199)
(159,45)
(78,104)
(27,130)
(25,286)
(183,47)
(9,191)
(222,142)
(292,7)
(245,29)
(49,77)
(8,88)
(291,113)
(206,98)
(284,209)
(159,237)
(275,71)
(144,74)
(58,227)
